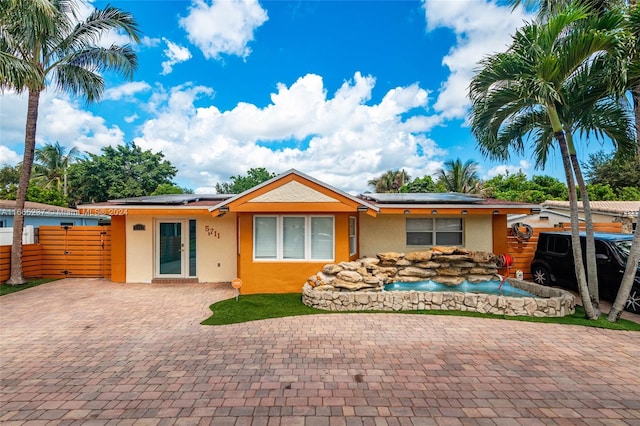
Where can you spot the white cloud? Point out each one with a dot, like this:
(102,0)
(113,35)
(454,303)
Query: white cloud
(340,139)
(523,166)
(149,42)
(126,90)
(8,157)
(61,119)
(481,28)
(223,26)
(131,118)
(175,54)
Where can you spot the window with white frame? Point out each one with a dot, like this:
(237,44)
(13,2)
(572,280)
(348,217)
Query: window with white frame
(353,240)
(432,231)
(293,237)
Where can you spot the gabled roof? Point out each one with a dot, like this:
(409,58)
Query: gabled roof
(618,208)
(290,190)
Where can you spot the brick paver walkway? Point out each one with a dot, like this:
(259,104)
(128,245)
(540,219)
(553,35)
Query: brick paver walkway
(94,352)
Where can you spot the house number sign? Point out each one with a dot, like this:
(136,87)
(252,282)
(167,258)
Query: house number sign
(211,231)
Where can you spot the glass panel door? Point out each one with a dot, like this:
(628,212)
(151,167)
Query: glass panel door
(170,249)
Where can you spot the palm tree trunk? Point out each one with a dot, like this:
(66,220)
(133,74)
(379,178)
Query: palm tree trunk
(635,94)
(590,255)
(559,134)
(17,276)
(628,277)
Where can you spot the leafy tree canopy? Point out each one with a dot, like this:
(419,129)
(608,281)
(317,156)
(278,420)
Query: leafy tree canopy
(239,184)
(620,173)
(423,184)
(390,181)
(9,178)
(170,188)
(120,172)
(517,187)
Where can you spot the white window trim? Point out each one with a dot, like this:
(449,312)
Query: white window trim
(354,236)
(435,231)
(307,239)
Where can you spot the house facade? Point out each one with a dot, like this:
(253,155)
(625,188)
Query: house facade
(276,235)
(556,213)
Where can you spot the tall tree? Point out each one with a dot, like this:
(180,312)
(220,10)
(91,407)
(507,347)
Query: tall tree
(459,177)
(64,50)
(120,172)
(390,181)
(241,183)
(549,64)
(516,187)
(423,184)
(51,164)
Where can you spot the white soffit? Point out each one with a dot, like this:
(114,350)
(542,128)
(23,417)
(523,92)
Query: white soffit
(293,192)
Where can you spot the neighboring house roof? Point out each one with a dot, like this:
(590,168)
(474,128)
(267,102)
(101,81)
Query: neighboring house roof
(616,208)
(8,207)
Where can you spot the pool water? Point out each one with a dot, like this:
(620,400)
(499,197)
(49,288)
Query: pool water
(486,287)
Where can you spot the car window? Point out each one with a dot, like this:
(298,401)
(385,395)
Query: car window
(559,245)
(601,248)
(623,248)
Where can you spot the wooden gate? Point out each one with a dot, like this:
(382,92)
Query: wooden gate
(75,251)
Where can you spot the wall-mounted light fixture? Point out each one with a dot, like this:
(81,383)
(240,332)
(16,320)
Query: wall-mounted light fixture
(407,211)
(363,208)
(223,210)
(464,212)
(434,211)
(496,212)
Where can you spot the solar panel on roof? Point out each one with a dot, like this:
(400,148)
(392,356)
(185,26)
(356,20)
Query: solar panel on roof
(172,198)
(421,198)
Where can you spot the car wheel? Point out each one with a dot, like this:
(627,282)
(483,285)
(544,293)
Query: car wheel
(633,302)
(541,275)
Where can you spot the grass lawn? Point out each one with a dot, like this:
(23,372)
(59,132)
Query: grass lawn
(263,306)
(6,288)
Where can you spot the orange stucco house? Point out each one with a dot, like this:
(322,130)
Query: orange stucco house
(277,234)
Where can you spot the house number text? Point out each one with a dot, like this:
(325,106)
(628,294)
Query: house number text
(210,231)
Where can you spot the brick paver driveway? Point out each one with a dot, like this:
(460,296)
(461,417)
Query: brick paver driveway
(95,352)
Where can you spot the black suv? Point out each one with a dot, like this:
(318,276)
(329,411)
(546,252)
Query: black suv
(553,264)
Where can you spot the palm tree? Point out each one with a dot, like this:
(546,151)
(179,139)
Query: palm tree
(546,9)
(458,177)
(65,53)
(50,167)
(533,79)
(390,181)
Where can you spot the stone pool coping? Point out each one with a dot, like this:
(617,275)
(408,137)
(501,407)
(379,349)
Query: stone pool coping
(551,302)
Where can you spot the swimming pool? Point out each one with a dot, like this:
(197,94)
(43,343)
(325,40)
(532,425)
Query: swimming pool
(485,287)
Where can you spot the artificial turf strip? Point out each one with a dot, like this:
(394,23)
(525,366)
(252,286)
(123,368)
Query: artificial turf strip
(8,288)
(255,307)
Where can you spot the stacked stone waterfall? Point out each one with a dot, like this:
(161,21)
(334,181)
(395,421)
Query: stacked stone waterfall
(445,265)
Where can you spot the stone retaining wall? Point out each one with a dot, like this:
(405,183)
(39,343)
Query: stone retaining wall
(359,285)
(446,265)
(550,303)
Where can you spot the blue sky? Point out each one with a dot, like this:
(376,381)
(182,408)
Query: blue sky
(340,90)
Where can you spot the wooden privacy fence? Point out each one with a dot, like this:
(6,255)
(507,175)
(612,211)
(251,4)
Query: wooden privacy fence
(64,251)
(523,251)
